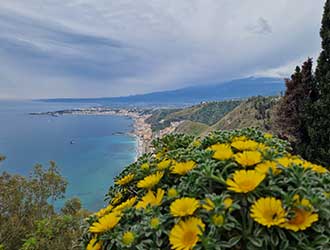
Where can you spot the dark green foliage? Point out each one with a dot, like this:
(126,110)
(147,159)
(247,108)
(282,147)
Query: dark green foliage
(318,113)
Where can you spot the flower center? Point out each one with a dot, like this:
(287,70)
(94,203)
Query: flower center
(299,217)
(247,184)
(189,238)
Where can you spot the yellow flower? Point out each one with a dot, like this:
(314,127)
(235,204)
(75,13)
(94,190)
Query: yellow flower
(105,223)
(244,181)
(217,219)
(145,166)
(265,167)
(104,211)
(303,216)
(128,238)
(94,245)
(208,204)
(240,138)
(150,181)
(151,199)
(184,206)
(154,223)
(171,193)
(125,180)
(245,145)
(164,164)
(185,234)
(127,204)
(248,158)
(319,169)
(159,155)
(268,135)
(221,151)
(268,212)
(182,168)
(116,199)
(284,161)
(262,147)
(228,202)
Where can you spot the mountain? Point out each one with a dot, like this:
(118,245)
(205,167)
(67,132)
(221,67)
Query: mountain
(240,88)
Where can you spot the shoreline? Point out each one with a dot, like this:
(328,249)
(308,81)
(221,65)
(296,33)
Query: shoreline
(142,131)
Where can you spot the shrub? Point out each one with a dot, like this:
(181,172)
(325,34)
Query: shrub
(231,190)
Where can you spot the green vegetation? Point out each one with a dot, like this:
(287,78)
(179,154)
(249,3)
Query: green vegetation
(158,119)
(28,220)
(201,119)
(191,128)
(254,112)
(237,189)
(207,113)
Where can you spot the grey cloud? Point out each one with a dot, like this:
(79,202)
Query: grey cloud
(84,48)
(261,27)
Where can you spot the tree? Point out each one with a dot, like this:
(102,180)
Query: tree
(318,115)
(291,111)
(28,221)
(72,206)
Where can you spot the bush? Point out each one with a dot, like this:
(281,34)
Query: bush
(231,190)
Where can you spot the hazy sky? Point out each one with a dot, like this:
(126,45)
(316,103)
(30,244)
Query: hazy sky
(92,48)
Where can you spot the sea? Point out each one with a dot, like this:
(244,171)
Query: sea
(90,150)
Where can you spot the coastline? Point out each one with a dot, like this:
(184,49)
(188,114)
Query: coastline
(142,131)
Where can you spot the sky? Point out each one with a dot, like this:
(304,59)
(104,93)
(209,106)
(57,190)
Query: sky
(98,48)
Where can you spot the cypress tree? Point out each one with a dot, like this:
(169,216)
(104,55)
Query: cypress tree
(318,113)
(308,94)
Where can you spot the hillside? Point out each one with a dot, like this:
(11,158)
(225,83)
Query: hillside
(255,112)
(205,113)
(235,89)
(226,115)
(191,128)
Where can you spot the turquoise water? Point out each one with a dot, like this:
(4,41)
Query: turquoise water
(89,164)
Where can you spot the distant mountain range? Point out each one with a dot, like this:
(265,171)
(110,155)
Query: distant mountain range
(235,89)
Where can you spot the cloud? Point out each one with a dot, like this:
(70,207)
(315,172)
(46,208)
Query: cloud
(85,48)
(261,27)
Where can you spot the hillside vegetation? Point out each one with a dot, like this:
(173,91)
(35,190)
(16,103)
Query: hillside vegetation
(205,113)
(203,118)
(254,112)
(191,128)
